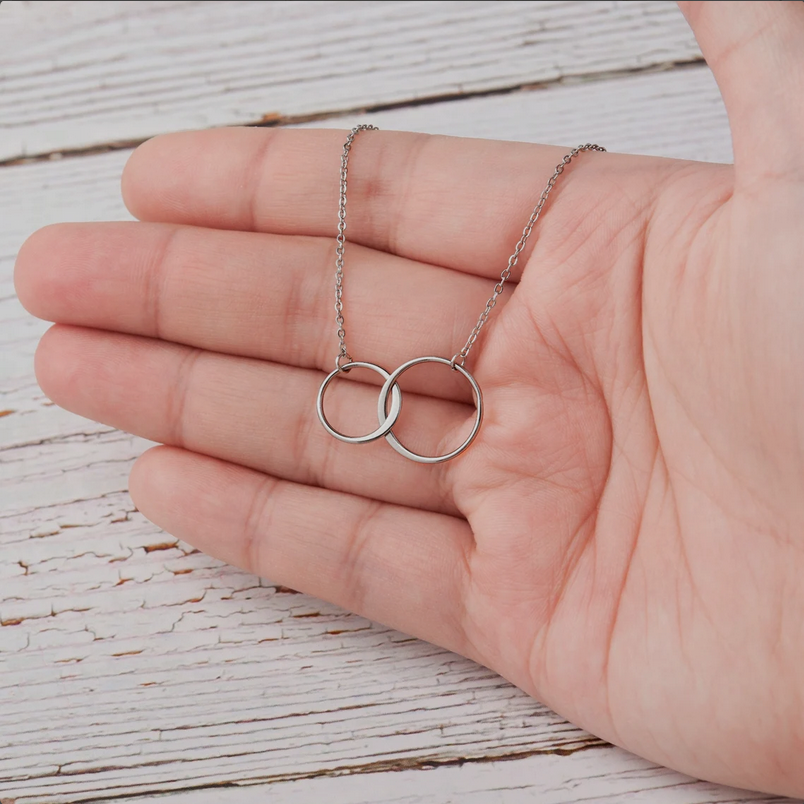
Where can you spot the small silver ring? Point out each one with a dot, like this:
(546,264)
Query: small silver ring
(392,386)
(387,421)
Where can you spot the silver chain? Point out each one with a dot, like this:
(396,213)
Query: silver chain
(340,240)
(460,357)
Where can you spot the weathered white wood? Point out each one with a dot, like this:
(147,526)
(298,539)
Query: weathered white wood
(79,74)
(131,664)
(538,779)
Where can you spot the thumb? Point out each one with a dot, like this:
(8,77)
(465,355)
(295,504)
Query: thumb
(756,52)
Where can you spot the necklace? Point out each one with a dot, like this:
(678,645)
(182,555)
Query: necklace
(343,362)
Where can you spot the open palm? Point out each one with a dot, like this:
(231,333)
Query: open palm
(624,540)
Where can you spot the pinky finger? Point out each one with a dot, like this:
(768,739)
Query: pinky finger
(400,566)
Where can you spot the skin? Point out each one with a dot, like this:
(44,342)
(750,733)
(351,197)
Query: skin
(625,539)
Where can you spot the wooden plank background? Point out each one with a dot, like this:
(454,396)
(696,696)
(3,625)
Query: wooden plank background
(132,666)
(77,74)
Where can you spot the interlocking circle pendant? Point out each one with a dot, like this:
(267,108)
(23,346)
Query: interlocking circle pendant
(391,385)
(386,421)
(388,417)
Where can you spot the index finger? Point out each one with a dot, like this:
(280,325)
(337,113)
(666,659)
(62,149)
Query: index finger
(458,203)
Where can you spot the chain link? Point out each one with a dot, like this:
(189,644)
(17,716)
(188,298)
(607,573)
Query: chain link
(459,358)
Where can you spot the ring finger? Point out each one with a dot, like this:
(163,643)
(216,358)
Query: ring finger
(251,412)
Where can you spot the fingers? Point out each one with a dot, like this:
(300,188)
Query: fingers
(402,567)
(756,51)
(442,200)
(248,412)
(255,295)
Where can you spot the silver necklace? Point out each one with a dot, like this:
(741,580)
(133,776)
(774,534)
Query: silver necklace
(343,362)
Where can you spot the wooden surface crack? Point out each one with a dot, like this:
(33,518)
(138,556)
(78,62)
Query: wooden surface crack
(382,766)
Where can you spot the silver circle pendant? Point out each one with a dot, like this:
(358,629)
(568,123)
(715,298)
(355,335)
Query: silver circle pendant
(387,421)
(391,386)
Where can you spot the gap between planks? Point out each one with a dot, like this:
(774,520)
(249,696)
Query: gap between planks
(95,73)
(275,119)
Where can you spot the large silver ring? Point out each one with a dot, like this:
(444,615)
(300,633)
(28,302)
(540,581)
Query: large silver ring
(392,387)
(387,421)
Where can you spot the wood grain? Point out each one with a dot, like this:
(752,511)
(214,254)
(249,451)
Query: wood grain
(75,74)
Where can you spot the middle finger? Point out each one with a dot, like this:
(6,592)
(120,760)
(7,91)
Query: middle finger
(249,294)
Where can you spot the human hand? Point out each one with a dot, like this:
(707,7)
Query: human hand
(625,538)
